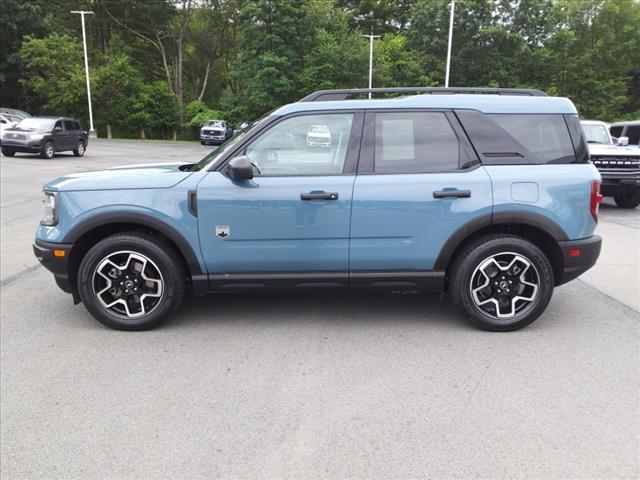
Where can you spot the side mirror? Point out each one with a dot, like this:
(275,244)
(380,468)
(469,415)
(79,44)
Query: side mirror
(623,141)
(57,128)
(240,168)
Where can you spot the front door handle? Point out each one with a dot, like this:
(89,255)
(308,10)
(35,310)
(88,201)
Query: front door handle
(319,196)
(452,194)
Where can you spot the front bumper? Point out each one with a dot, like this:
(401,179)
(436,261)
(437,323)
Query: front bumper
(24,146)
(211,137)
(619,182)
(55,258)
(578,256)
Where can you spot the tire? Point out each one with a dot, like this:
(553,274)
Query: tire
(47,150)
(8,153)
(474,268)
(202,143)
(115,267)
(629,200)
(80,149)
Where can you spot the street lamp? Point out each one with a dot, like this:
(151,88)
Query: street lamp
(371,38)
(446,80)
(92,132)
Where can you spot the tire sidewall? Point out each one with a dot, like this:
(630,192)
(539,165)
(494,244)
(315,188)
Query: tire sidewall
(629,200)
(44,150)
(487,249)
(80,149)
(145,247)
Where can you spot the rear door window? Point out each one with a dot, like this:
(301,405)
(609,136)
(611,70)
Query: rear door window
(69,125)
(545,136)
(415,142)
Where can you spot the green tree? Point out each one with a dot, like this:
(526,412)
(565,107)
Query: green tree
(54,72)
(117,85)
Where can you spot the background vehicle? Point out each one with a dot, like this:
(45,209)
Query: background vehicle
(319,136)
(215,132)
(5,123)
(463,193)
(45,135)
(627,132)
(14,112)
(618,165)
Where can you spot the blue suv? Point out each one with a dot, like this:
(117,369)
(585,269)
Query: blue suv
(487,194)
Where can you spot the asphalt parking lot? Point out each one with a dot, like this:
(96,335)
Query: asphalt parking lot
(310,386)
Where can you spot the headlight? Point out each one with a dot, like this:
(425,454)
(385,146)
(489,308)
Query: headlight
(50,209)
(36,136)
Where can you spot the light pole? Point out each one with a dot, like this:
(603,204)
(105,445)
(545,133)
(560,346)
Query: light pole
(446,80)
(92,132)
(371,38)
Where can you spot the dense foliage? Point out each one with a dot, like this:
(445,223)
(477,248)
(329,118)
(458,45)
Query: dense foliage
(161,66)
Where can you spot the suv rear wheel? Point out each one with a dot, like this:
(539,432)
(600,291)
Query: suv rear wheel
(130,281)
(501,282)
(628,200)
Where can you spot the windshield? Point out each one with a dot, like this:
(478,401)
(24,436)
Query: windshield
(32,123)
(215,155)
(214,123)
(596,133)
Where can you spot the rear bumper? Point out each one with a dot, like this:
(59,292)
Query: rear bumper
(45,252)
(578,256)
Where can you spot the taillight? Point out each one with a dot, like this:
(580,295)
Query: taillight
(596,198)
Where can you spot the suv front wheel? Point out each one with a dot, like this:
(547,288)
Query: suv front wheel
(131,281)
(79,150)
(628,200)
(47,150)
(501,282)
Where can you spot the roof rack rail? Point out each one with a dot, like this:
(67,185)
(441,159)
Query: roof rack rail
(341,94)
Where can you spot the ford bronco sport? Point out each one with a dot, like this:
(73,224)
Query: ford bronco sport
(618,164)
(487,194)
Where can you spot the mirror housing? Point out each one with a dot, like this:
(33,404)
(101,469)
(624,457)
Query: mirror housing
(57,129)
(240,168)
(623,141)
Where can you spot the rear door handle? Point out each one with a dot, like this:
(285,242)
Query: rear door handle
(452,194)
(319,196)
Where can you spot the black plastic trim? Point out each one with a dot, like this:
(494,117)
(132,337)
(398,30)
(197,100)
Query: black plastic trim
(573,267)
(517,217)
(277,280)
(59,266)
(135,218)
(383,280)
(192,202)
(419,280)
(341,94)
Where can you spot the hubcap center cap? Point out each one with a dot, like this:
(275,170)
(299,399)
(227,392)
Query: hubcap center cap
(128,284)
(504,285)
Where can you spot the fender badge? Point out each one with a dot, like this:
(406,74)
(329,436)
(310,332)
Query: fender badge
(222,231)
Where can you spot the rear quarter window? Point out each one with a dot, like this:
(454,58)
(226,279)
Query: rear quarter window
(545,136)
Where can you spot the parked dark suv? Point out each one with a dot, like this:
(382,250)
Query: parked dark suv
(45,135)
